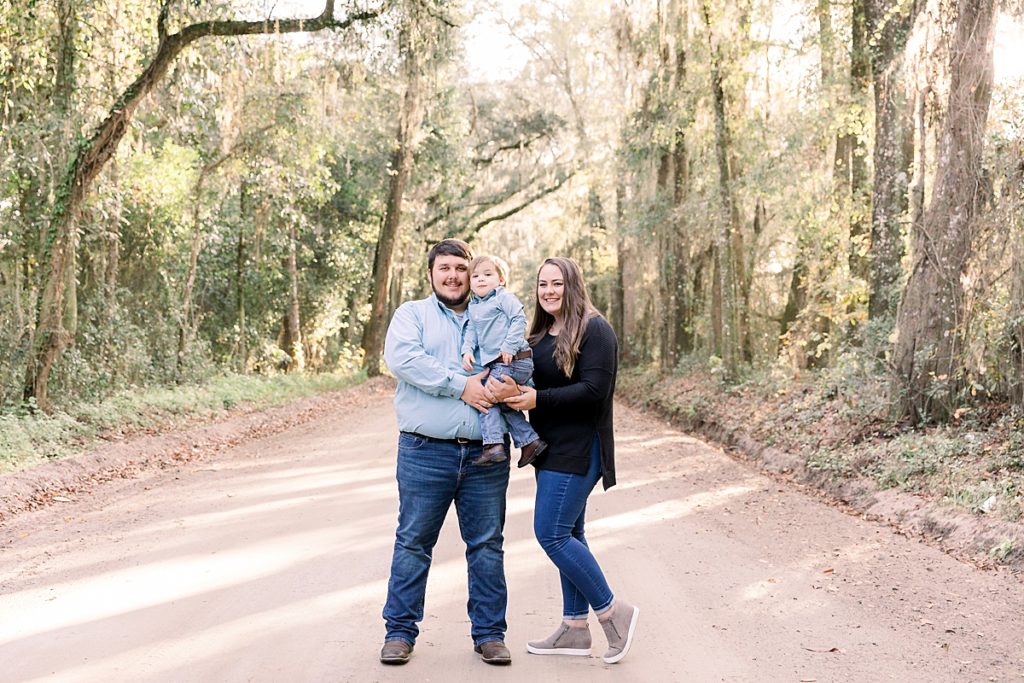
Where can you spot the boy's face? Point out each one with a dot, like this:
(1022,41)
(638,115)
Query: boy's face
(485,278)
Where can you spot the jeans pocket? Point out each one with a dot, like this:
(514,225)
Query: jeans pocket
(522,369)
(409,441)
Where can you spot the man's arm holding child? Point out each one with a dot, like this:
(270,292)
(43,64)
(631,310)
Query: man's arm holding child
(407,358)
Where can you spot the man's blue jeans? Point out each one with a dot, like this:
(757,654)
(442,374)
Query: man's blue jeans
(558,524)
(491,424)
(431,476)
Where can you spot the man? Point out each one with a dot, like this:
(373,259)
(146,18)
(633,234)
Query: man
(436,405)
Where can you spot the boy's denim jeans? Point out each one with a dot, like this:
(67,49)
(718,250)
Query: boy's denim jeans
(558,515)
(431,476)
(492,426)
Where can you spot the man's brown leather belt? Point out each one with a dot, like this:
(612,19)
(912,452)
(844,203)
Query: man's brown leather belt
(459,441)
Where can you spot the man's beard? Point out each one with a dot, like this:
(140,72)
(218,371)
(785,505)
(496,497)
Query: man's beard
(448,301)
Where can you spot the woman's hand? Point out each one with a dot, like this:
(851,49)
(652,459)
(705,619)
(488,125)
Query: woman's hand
(525,400)
(503,388)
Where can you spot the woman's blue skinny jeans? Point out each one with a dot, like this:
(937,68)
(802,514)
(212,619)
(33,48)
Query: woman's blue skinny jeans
(558,524)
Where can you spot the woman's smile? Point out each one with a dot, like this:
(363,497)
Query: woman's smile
(550,288)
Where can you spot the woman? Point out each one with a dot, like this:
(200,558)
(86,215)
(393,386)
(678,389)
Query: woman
(574,351)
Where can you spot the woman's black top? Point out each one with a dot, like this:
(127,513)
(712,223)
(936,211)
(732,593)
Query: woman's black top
(571,410)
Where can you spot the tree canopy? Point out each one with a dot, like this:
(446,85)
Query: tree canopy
(194,187)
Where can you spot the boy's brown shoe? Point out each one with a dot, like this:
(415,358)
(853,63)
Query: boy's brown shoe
(492,453)
(531,452)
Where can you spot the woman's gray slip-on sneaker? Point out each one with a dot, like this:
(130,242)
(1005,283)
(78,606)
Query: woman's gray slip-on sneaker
(566,640)
(619,629)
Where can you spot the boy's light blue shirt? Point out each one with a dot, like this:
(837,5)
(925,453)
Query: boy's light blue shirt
(422,350)
(497,323)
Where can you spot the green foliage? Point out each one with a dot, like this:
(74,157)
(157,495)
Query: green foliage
(1006,551)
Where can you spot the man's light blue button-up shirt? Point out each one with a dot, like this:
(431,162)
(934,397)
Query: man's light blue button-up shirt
(422,349)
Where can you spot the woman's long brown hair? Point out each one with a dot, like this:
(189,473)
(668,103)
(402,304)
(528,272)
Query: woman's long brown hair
(576,310)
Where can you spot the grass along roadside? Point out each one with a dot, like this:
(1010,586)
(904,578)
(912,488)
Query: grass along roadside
(29,439)
(836,432)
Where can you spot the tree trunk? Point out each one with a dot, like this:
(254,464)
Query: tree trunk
(57,317)
(930,324)
(890,25)
(293,329)
(717,313)
(854,147)
(729,248)
(682,306)
(796,300)
(696,301)
(666,270)
(399,170)
(1016,323)
(64,86)
(112,259)
(243,339)
(112,235)
(185,315)
(920,162)
(618,302)
(89,158)
(678,335)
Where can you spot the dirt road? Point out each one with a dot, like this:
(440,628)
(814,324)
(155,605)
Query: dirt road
(269,563)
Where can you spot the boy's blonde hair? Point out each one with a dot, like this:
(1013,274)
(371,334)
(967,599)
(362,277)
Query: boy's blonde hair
(499,264)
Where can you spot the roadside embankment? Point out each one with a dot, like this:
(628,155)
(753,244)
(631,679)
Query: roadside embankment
(959,486)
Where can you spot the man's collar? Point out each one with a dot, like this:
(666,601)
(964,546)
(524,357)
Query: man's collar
(443,307)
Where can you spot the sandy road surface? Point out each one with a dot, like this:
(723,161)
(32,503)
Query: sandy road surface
(269,563)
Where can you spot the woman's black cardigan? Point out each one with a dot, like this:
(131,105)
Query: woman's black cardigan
(571,410)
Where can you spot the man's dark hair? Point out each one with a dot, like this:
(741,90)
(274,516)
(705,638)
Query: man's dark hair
(451,247)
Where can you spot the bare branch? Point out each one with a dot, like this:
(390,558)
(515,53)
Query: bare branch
(540,194)
(518,144)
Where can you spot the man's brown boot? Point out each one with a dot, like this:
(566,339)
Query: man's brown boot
(531,451)
(494,652)
(395,652)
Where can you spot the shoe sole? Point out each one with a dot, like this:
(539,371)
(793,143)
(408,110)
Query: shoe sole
(629,639)
(487,463)
(394,661)
(572,651)
(397,659)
